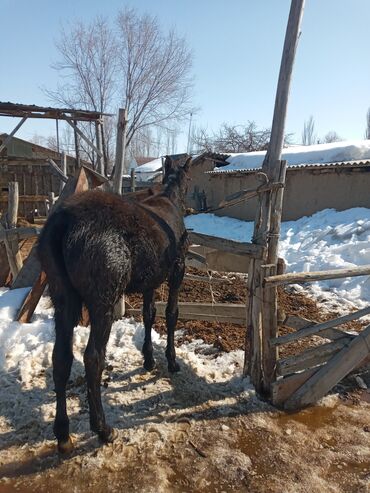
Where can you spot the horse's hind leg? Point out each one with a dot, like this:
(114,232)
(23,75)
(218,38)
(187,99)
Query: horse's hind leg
(67,314)
(101,322)
(149,312)
(172,312)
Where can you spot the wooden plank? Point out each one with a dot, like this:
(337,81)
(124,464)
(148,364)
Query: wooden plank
(222,312)
(302,277)
(330,374)
(24,198)
(299,323)
(25,313)
(236,247)
(283,388)
(55,168)
(311,357)
(317,328)
(21,233)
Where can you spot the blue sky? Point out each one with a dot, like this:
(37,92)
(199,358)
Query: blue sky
(237,48)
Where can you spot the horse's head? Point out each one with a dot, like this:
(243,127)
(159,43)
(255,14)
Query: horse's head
(175,180)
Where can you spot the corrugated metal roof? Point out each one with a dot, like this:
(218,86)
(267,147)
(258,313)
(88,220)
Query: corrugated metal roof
(343,164)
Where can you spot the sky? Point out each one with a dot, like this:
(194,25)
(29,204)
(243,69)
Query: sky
(236,45)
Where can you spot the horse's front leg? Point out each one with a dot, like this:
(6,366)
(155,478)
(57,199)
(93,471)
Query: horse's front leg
(149,312)
(172,312)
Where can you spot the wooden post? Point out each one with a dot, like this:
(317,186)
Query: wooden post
(99,157)
(120,151)
(12,244)
(64,169)
(133,180)
(77,149)
(262,309)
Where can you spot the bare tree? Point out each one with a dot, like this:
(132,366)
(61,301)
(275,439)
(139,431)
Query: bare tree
(332,136)
(308,135)
(154,72)
(135,65)
(232,138)
(367,131)
(88,66)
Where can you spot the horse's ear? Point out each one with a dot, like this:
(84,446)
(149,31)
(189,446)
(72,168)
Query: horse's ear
(186,166)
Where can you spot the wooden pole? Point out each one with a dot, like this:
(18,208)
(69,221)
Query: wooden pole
(133,180)
(120,150)
(273,155)
(57,128)
(262,307)
(77,150)
(12,244)
(64,170)
(100,159)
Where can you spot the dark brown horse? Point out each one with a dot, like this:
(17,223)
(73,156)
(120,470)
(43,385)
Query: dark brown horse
(94,249)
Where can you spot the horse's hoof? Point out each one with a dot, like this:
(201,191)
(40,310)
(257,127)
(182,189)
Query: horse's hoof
(149,365)
(108,435)
(173,367)
(65,446)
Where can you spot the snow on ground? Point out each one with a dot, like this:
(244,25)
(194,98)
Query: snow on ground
(302,155)
(327,240)
(202,429)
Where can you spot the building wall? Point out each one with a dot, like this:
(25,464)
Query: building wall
(307,191)
(25,163)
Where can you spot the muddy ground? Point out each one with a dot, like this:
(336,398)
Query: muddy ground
(189,432)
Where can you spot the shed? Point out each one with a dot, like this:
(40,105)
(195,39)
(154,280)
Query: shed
(26,163)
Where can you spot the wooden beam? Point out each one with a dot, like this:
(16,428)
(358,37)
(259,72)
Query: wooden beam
(120,150)
(221,312)
(4,197)
(302,277)
(298,323)
(283,388)
(273,155)
(236,247)
(330,374)
(317,328)
(83,136)
(57,170)
(311,357)
(21,233)
(99,159)
(28,307)
(244,195)
(12,133)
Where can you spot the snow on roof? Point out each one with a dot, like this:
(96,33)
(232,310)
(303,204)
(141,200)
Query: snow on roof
(149,171)
(314,155)
(151,166)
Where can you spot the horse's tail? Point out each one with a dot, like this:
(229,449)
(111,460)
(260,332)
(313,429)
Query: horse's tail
(50,252)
